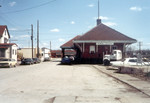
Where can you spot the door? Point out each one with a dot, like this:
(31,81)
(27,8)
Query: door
(2,52)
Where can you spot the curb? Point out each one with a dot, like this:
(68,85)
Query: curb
(124,82)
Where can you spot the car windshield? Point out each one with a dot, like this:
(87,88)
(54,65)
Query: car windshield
(27,59)
(133,60)
(34,58)
(4,60)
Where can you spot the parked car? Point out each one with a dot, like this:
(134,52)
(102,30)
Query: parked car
(66,60)
(5,62)
(129,62)
(36,60)
(27,61)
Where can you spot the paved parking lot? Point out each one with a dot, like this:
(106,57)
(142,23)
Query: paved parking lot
(40,83)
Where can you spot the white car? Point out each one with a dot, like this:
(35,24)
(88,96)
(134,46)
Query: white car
(5,62)
(128,62)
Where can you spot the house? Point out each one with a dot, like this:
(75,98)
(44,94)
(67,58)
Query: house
(7,49)
(46,54)
(94,44)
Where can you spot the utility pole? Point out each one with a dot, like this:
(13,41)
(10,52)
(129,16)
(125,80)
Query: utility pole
(140,44)
(50,49)
(32,38)
(38,54)
(50,46)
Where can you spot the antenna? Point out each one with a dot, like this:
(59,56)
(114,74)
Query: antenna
(98,20)
(98,9)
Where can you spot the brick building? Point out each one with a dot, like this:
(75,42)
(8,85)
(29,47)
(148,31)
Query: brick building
(93,45)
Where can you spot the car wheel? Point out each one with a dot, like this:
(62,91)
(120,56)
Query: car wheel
(106,62)
(10,66)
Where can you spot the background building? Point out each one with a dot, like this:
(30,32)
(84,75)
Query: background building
(27,53)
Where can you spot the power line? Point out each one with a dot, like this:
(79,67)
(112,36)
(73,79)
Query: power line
(46,3)
(5,20)
(8,20)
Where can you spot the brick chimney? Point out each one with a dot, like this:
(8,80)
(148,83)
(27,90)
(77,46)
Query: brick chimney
(98,21)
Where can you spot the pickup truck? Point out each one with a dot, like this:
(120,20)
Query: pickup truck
(115,56)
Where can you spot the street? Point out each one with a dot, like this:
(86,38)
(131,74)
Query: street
(41,83)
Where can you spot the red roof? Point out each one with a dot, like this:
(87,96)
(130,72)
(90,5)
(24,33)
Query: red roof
(2,29)
(99,33)
(69,44)
(7,44)
(55,51)
(103,32)
(59,52)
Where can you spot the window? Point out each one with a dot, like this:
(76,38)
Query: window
(5,40)
(2,53)
(114,47)
(5,32)
(92,49)
(13,52)
(114,52)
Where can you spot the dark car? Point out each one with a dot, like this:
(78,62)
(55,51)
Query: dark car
(36,60)
(67,60)
(28,61)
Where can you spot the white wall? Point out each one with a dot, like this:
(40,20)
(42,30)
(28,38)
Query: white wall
(11,52)
(46,53)
(7,53)
(14,52)
(5,35)
(27,52)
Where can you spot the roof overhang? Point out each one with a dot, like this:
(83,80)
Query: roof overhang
(105,42)
(66,47)
(6,45)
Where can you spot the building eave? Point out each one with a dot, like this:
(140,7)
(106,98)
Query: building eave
(8,44)
(105,41)
(67,47)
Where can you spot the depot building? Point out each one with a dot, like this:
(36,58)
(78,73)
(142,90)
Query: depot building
(94,44)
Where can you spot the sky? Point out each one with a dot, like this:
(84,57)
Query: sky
(61,20)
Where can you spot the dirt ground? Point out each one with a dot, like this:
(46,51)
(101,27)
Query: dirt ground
(40,83)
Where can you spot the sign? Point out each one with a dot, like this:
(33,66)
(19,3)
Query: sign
(104,43)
